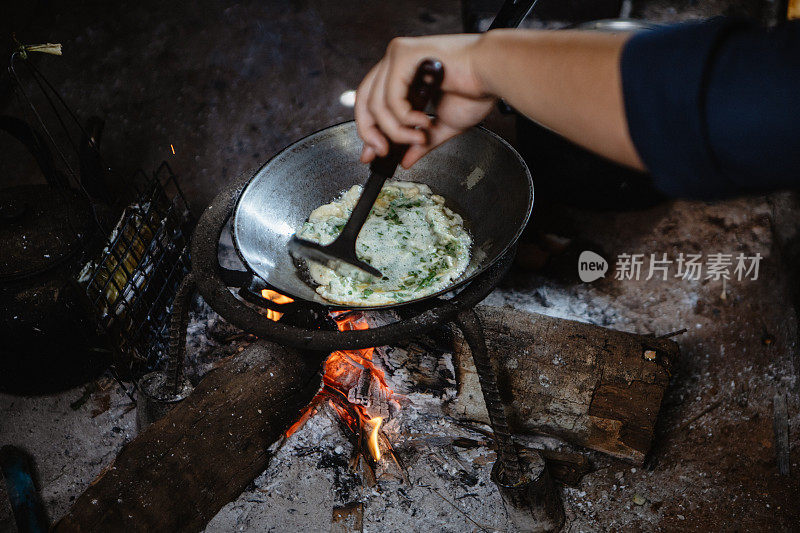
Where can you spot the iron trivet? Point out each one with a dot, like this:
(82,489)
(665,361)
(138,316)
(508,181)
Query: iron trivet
(524,484)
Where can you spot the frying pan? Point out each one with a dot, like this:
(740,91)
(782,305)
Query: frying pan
(480,175)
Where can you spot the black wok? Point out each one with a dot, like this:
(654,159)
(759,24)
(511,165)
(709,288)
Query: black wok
(480,176)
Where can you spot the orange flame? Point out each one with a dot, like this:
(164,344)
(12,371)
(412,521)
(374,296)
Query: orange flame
(278,298)
(304,416)
(341,369)
(374,449)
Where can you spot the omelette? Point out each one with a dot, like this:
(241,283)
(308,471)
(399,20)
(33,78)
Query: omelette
(419,245)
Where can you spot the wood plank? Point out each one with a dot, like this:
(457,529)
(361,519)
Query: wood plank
(589,385)
(181,470)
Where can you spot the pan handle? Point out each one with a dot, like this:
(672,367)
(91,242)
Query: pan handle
(512,13)
(424,89)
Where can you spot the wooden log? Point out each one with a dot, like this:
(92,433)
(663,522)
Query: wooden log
(591,386)
(179,472)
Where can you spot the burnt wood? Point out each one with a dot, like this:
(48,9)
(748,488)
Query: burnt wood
(591,386)
(179,472)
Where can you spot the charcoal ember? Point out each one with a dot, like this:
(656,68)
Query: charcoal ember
(379,406)
(394,408)
(369,393)
(421,366)
(360,393)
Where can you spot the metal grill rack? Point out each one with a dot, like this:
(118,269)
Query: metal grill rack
(133,282)
(132,271)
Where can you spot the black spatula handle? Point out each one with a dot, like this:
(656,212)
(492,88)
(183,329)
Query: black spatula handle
(424,89)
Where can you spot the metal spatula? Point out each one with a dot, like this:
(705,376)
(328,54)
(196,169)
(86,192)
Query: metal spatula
(423,89)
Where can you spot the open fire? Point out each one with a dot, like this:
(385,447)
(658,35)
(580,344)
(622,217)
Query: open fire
(352,386)
(278,298)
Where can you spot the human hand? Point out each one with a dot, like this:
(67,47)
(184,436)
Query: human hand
(382,109)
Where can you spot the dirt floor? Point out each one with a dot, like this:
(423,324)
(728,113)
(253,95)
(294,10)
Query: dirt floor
(229,85)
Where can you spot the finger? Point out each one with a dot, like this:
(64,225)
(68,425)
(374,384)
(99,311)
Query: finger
(437,134)
(365,122)
(398,81)
(367,154)
(362,115)
(385,119)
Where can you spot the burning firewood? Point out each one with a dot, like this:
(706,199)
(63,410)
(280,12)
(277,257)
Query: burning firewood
(356,389)
(356,392)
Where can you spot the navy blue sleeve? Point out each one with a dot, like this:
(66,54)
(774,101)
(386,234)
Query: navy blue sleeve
(713,107)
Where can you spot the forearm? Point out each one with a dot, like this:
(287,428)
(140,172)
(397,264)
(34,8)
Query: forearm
(565,80)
